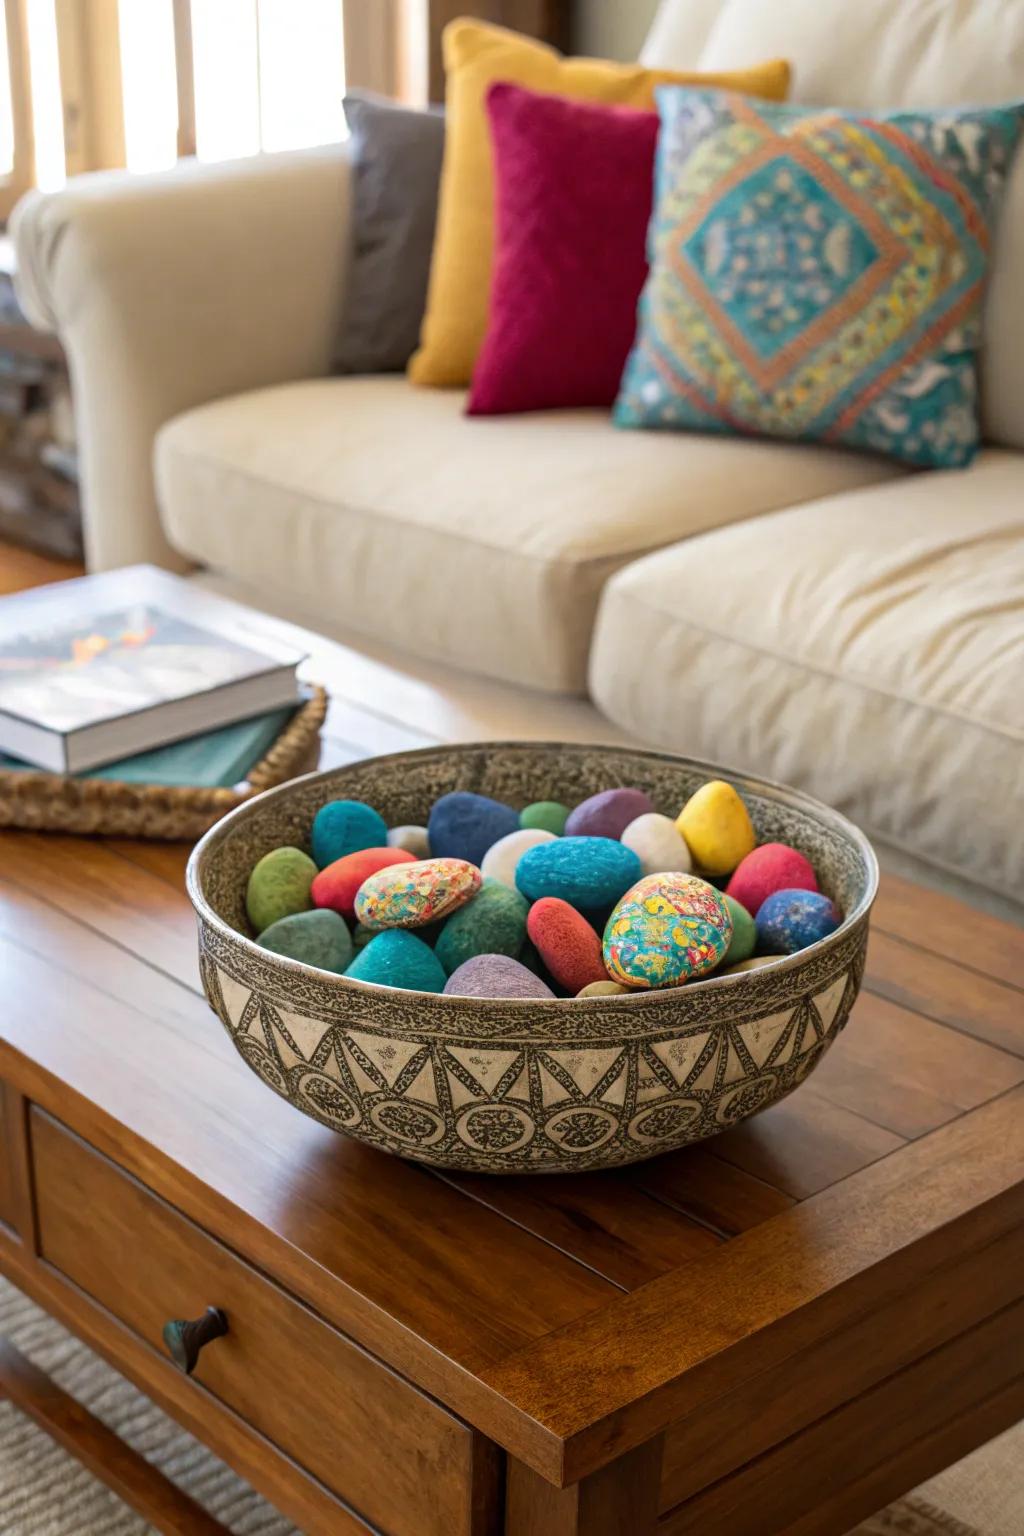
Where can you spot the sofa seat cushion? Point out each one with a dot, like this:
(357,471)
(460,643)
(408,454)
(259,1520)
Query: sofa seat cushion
(482,543)
(868,648)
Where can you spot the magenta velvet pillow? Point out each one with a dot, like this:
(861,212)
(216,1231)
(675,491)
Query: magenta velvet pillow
(573,187)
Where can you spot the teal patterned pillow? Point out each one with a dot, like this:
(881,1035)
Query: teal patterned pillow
(818,274)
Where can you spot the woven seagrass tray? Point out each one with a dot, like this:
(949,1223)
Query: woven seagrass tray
(50,802)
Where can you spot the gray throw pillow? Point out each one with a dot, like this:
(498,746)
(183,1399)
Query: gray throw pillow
(397,155)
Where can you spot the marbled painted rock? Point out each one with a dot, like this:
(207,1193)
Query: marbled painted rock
(744,932)
(398,959)
(717,828)
(547,815)
(607,814)
(753,964)
(495,976)
(412,838)
(502,859)
(658,844)
(319,938)
(565,941)
(493,923)
(665,931)
(587,872)
(345,826)
(414,894)
(463,825)
(605,989)
(336,886)
(790,920)
(279,886)
(772,867)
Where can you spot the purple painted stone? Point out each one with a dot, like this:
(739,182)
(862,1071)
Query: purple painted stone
(607,814)
(495,976)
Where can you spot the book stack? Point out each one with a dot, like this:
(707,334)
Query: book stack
(141,677)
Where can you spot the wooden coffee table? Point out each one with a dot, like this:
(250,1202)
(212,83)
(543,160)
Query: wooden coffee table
(779,1330)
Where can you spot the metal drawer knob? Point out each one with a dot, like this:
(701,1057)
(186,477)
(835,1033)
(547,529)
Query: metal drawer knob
(184,1340)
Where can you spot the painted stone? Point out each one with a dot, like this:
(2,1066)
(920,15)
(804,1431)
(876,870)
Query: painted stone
(501,860)
(566,943)
(462,825)
(658,844)
(495,976)
(744,932)
(790,920)
(398,959)
(545,815)
(336,886)
(412,838)
(607,814)
(605,989)
(410,895)
(772,867)
(587,872)
(665,931)
(279,886)
(319,938)
(717,828)
(493,923)
(345,826)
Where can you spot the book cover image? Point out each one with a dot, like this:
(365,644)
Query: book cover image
(114,664)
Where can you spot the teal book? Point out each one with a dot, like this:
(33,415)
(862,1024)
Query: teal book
(215,760)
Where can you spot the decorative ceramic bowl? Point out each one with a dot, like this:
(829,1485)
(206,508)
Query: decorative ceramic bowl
(524,1086)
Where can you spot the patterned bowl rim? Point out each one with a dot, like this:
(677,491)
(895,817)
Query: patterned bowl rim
(207,845)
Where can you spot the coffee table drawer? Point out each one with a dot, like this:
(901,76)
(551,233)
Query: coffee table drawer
(370,1436)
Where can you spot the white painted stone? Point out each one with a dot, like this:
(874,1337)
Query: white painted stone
(500,860)
(413,839)
(658,844)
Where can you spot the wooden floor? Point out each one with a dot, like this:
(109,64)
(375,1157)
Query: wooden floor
(23,568)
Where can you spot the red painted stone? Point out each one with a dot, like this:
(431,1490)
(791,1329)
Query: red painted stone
(566,943)
(336,885)
(770,868)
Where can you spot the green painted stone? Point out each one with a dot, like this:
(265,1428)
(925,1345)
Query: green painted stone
(744,933)
(397,958)
(319,938)
(493,923)
(279,886)
(545,816)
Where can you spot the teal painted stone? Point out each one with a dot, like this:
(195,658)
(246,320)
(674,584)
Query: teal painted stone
(279,886)
(346,826)
(319,938)
(493,923)
(545,816)
(587,872)
(744,932)
(397,958)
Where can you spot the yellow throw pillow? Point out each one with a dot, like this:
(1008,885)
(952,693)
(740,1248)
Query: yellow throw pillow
(475,55)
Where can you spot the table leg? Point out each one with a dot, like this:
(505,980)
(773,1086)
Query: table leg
(619,1500)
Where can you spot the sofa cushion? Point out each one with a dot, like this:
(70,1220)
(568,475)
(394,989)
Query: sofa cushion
(479,542)
(868,648)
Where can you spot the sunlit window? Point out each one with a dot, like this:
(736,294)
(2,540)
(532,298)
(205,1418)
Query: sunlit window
(6,114)
(302,72)
(148,84)
(47,106)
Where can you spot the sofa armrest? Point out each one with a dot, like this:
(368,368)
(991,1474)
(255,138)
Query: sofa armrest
(171,290)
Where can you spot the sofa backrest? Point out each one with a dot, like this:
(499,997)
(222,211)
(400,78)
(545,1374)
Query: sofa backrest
(885,55)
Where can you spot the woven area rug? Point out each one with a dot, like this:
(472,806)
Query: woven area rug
(44,1491)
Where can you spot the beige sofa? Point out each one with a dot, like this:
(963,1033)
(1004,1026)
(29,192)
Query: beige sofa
(815,615)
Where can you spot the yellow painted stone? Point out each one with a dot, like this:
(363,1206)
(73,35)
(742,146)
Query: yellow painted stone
(717,828)
(604,989)
(753,964)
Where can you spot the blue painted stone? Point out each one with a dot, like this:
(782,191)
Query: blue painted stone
(586,872)
(463,825)
(397,958)
(346,826)
(319,938)
(495,976)
(790,920)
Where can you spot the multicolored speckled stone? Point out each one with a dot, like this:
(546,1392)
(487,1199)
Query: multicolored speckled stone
(666,930)
(411,895)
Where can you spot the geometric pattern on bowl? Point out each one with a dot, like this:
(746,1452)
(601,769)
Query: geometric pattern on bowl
(515,1086)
